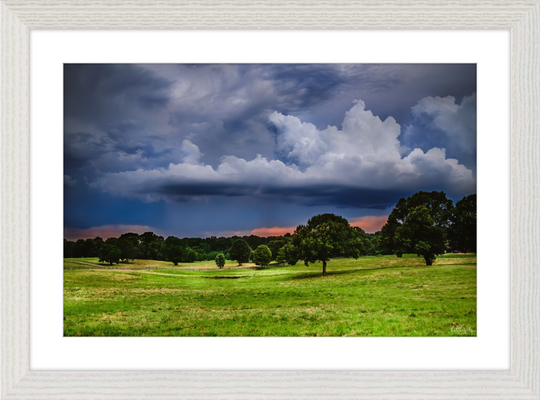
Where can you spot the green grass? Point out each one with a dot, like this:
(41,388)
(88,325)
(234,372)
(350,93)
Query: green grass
(371,296)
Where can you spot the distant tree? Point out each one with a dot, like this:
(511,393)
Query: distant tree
(240,251)
(189,255)
(254,241)
(111,240)
(323,237)
(79,248)
(109,253)
(387,240)
(287,254)
(423,235)
(222,244)
(275,246)
(462,231)
(68,248)
(172,249)
(363,240)
(89,248)
(262,255)
(281,258)
(128,251)
(220,260)
(98,243)
(150,246)
(212,255)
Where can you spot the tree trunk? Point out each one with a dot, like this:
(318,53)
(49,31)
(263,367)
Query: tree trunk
(324,268)
(399,255)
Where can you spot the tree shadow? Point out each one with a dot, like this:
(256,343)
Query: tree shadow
(318,274)
(454,265)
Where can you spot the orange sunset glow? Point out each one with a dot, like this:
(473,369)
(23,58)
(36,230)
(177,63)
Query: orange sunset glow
(275,231)
(370,223)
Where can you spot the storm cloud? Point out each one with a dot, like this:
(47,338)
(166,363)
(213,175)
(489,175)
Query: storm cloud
(352,166)
(288,139)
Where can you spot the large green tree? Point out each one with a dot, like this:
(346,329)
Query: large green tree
(240,251)
(462,231)
(326,236)
(393,240)
(422,234)
(262,255)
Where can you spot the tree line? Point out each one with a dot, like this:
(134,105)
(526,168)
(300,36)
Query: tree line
(426,223)
(149,246)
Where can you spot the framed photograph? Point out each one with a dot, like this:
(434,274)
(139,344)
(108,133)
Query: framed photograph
(197,180)
(205,183)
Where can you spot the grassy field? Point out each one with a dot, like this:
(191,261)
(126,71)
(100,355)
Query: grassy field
(371,296)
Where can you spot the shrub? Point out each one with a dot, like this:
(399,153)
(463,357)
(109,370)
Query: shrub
(262,255)
(220,261)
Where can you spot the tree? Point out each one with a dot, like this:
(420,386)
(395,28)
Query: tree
(127,249)
(462,231)
(172,249)
(423,235)
(189,255)
(323,237)
(98,243)
(220,260)
(79,248)
(287,254)
(240,251)
(109,253)
(393,241)
(364,242)
(150,246)
(90,248)
(388,242)
(212,255)
(275,246)
(262,255)
(68,248)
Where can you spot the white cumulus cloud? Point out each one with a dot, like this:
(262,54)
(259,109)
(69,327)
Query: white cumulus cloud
(363,155)
(457,122)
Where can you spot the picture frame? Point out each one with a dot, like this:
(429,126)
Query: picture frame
(522,18)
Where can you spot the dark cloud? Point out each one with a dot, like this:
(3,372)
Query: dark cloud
(314,195)
(141,138)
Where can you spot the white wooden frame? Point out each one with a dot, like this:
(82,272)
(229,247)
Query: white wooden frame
(521,17)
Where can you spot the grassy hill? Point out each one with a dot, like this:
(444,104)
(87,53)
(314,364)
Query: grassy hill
(371,296)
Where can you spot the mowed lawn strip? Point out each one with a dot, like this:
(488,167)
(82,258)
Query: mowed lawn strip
(371,296)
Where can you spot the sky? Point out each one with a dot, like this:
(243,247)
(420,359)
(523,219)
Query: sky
(219,150)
